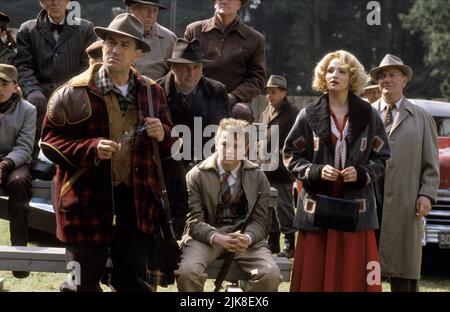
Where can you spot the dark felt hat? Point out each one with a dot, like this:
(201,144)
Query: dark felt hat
(187,52)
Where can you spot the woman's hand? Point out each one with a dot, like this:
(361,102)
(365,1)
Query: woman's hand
(329,173)
(349,174)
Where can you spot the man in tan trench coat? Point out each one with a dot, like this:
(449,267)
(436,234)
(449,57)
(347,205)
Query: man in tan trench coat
(411,178)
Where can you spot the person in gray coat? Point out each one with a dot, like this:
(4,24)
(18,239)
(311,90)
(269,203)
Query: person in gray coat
(17,130)
(409,187)
(162,40)
(51,49)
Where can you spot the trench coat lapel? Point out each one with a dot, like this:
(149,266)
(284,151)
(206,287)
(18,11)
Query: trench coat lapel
(404,111)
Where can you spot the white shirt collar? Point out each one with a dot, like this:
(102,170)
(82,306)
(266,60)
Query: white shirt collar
(234,172)
(52,21)
(383,104)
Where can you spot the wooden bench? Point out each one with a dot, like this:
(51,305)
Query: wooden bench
(45,259)
(33,259)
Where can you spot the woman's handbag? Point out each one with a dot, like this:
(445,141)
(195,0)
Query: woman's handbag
(336,213)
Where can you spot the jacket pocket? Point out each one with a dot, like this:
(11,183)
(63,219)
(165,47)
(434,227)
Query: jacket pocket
(77,194)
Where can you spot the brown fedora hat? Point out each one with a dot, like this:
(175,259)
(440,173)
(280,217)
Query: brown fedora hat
(4,18)
(127,25)
(243,2)
(154,2)
(370,84)
(187,52)
(391,61)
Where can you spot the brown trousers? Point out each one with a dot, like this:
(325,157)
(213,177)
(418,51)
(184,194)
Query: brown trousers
(257,261)
(18,188)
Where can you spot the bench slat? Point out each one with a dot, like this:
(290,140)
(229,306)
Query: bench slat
(34,259)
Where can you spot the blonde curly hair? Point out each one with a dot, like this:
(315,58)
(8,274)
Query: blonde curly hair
(358,75)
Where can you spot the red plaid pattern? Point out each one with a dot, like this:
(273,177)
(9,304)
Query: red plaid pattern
(84,212)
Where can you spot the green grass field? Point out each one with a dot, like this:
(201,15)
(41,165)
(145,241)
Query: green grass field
(48,282)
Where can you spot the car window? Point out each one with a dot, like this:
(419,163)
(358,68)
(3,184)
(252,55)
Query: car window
(443,126)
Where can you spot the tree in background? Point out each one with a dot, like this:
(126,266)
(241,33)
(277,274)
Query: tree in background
(430,19)
(299,33)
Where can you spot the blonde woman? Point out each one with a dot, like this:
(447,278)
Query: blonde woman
(338,148)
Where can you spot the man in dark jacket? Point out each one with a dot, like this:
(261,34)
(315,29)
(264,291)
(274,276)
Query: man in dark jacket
(190,94)
(236,49)
(195,102)
(7,43)
(98,129)
(282,114)
(50,50)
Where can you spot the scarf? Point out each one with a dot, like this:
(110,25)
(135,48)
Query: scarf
(340,152)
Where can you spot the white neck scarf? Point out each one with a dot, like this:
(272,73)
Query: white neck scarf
(340,152)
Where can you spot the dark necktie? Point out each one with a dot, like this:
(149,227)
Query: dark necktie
(225,190)
(147,34)
(59,28)
(388,117)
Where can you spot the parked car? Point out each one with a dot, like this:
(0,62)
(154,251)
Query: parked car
(437,223)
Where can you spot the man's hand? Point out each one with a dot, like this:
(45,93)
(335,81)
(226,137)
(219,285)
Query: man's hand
(329,173)
(106,148)
(423,206)
(154,128)
(349,174)
(233,242)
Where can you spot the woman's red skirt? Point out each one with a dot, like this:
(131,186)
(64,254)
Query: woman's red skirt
(336,261)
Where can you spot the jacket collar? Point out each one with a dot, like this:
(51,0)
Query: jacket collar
(169,84)
(89,77)
(406,109)
(210,163)
(318,117)
(277,113)
(158,31)
(211,24)
(43,26)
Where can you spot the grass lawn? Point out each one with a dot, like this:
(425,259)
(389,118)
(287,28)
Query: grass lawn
(50,281)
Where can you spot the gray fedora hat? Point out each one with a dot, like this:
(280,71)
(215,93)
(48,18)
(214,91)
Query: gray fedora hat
(276,81)
(391,61)
(127,25)
(154,2)
(187,52)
